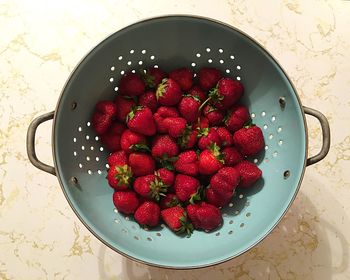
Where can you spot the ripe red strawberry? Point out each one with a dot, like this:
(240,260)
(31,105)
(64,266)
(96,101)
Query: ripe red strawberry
(231,156)
(103,116)
(189,108)
(210,160)
(175,126)
(249,140)
(176,219)
(150,186)
(226,93)
(106,107)
(203,123)
(217,199)
(168,93)
(187,188)
(204,216)
(213,114)
(168,201)
(111,139)
(141,164)
(167,176)
(208,136)
(119,177)
(148,214)
(140,120)
(225,181)
(131,141)
(225,137)
(183,77)
(198,92)
(249,173)
(118,158)
(131,84)
(188,139)
(162,113)
(187,163)
(124,105)
(153,77)
(148,99)
(126,201)
(208,77)
(164,145)
(236,118)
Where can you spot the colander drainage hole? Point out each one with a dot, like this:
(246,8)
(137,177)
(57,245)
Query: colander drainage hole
(241,225)
(79,128)
(74,139)
(252,115)
(120,57)
(122,72)
(132,51)
(231,204)
(143,51)
(210,60)
(89,172)
(238,67)
(208,49)
(230,222)
(193,64)
(152,57)
(228,71)
(73,105)
(241,196)
(198,55)
(112,68)
(263,113)
(286,174)
(97,138)
(88,124)
(279,129)
(116,89)
(136,237)
(217,234)
(149,238)
(158,234)
(230,232)
(238,78)
(248,214)
(111,80)
(221,61)
(280,142)
(273,118)
(99,172)
(255,160)
(221,50)
(232,57)
(75,153)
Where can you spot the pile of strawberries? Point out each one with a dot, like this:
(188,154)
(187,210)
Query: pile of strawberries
(179,146)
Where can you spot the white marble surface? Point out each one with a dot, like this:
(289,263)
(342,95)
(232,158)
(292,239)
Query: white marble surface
(41,42)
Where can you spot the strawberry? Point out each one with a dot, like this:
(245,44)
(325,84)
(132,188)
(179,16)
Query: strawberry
(131,84)
(210,160)
(208,77)
(225,137)
(168,93)
(222,186)
(148,214)
(176,219)
(167,176)
(148,99)
(111,139)
(187,188)
(132,141)
(217,199)
(231,156)
(204,216)
(208,136)
(183,77)
(164,145)
(198,92)
(150,186)
(189,108)
(118,158)
(175,126)
(203,123)
(103,116)
(140,120)
(153,77)
(124,105)
(213,114)
(249,140)
(226,93)
(168,201)
(188,139)
(187,163)
(162,113)
(119,177)
(107,108)
(125,202)
(249,173)
(141,164)
(236,118)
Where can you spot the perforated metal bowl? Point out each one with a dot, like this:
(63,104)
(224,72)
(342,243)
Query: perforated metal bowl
(171,42)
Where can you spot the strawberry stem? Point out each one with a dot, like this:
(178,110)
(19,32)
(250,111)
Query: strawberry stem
(205,102)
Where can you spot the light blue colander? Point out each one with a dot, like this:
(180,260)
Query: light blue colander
(171,42)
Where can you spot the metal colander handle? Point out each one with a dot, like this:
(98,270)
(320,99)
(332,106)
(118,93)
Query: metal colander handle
(31,143)
(326,135)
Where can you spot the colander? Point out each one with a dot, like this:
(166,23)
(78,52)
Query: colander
(170,42)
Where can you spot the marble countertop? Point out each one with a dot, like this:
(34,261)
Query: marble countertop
(42,41)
